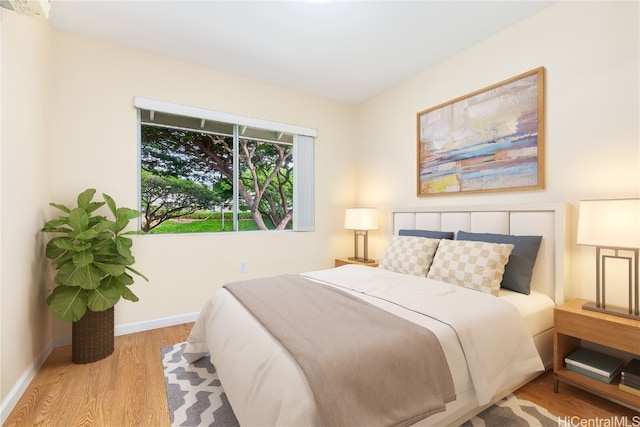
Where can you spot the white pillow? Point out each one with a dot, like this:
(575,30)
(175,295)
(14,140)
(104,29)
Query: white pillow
(472,264)
(409,255)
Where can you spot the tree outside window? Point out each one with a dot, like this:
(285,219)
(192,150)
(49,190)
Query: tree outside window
(189,167)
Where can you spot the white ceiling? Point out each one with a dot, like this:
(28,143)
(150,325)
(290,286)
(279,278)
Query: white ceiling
(344,50)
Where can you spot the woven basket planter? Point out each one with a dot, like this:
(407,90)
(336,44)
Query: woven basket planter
(92,336)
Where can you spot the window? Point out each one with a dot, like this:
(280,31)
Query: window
(204,171)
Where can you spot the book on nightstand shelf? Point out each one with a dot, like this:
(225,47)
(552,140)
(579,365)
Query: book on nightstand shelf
(630,377)
(630,382)
(629,389)
(631,370)
(594,364)
(591,374)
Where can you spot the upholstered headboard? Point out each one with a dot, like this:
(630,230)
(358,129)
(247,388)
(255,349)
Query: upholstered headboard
(546,220)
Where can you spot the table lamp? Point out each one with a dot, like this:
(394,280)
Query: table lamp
(361,220)
(613,227)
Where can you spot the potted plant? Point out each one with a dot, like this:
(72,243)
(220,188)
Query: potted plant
(93,261)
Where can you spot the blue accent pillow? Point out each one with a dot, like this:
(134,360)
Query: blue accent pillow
(427,233)
(519,269)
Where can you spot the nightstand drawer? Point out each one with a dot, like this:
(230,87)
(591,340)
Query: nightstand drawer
(610,331)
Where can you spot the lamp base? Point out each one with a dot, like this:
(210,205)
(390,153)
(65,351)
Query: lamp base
(613,310)
(362,260)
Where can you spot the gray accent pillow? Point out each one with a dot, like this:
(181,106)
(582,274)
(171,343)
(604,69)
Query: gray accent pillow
(427,233)
(519,269)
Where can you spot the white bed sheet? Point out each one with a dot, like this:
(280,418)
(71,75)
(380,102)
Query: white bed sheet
(266,387)
(536,309)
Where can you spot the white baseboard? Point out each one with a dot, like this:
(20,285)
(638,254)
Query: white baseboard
(131,328)
(147,325)
(7,405)
(23,382)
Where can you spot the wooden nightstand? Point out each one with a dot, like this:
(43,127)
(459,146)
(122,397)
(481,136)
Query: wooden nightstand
(572,324)
(344,261)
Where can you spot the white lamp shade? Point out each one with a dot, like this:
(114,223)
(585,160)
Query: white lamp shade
(361,219)
(609,223)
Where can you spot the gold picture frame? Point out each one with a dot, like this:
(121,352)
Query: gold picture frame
(487,141)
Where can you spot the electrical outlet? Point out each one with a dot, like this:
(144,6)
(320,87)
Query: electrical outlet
(243,266)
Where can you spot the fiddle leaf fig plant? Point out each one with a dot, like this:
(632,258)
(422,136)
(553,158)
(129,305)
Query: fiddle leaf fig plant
(92,257)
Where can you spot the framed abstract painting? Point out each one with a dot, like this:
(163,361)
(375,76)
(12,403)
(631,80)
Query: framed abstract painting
(489,140)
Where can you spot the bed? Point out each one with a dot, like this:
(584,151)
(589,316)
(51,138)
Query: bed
(266,386)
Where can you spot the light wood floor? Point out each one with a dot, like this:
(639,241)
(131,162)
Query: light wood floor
(127,389)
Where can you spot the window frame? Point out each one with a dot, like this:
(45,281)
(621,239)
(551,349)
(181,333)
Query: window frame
(303,154)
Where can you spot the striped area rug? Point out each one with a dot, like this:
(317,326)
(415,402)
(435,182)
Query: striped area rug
(513,411)
(196,398)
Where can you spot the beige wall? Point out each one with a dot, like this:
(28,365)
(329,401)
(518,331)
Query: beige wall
(590,52)
(85,88)
(25,133)
(88,138)
(94,135)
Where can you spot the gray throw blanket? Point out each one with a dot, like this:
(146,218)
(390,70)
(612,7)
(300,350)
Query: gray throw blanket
(365,366)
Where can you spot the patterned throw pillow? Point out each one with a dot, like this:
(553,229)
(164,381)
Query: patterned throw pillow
(409,255)
(474,265)
(519,270)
